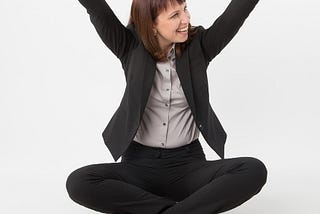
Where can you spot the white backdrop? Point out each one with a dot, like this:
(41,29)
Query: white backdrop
(59,86)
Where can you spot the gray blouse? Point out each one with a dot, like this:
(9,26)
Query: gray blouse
(167,120)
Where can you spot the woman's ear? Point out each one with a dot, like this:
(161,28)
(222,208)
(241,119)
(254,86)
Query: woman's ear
(154,29)
(155,32)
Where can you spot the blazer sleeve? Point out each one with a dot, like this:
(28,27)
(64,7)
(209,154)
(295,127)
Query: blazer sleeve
(115,36)
(225,27)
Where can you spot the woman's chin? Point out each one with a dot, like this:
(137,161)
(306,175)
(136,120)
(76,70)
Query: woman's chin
(182,36)
(180,40)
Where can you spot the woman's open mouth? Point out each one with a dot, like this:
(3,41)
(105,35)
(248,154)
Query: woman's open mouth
(183,30)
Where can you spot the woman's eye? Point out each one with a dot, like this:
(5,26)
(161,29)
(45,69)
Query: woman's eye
(175,15)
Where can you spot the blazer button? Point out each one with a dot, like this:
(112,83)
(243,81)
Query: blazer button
(200,126)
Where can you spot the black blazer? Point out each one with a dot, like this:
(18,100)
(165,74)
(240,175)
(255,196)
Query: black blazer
(139,69)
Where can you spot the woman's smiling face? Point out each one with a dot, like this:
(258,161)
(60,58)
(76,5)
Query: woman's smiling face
(172,25)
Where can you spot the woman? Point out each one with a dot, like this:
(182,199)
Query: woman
(164,108)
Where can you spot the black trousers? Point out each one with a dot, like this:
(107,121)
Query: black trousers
(152,180)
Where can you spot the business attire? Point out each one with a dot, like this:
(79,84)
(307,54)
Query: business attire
(167,120)
(156,128)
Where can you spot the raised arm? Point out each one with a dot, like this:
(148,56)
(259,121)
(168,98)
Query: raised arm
(114,35)
(225,27)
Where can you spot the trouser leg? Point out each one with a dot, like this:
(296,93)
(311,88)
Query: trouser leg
(114,187)
(217,186)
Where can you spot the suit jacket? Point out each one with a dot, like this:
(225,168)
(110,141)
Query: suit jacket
(139,68)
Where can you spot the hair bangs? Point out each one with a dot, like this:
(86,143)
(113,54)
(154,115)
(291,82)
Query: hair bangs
(157,6)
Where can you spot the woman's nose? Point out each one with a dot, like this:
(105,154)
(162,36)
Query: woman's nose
(185,18)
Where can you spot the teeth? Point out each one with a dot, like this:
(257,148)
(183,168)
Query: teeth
(183,29)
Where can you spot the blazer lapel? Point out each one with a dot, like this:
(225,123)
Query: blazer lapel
(183,71)
(147,79)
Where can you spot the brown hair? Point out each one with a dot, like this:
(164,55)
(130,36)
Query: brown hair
(143,16)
